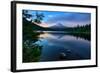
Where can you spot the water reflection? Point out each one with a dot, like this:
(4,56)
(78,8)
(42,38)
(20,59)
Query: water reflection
(63,46)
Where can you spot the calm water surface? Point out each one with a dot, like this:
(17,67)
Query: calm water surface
(62,46)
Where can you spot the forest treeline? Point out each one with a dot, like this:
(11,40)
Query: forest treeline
(80,29)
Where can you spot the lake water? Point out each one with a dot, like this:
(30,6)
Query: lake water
(62,46)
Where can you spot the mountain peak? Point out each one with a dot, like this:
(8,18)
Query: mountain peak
(58,25)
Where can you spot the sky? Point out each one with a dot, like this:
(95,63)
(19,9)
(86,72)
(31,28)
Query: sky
(67,19)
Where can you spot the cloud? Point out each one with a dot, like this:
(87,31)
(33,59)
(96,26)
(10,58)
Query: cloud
(70,17)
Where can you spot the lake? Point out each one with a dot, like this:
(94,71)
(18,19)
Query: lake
(58,45)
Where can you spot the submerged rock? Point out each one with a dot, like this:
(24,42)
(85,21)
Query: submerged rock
(62,56)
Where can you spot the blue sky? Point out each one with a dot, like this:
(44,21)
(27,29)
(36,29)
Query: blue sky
(68,19)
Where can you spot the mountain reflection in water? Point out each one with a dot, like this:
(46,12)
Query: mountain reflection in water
(57,46)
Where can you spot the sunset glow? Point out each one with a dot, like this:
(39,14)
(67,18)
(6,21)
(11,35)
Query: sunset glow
(43,25)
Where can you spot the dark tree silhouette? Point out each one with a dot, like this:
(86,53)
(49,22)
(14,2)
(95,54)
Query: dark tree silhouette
(31,51)
(39,17)
(26,15)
